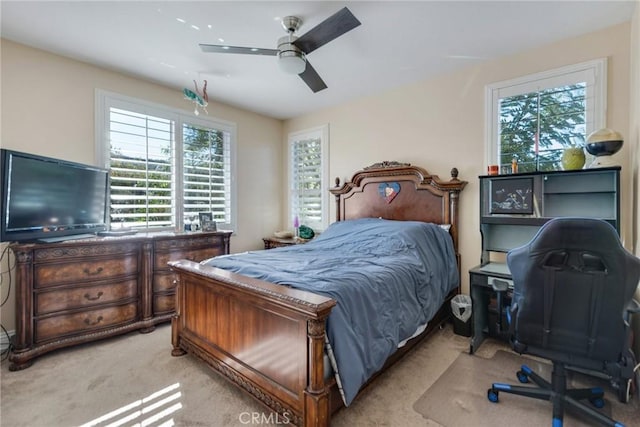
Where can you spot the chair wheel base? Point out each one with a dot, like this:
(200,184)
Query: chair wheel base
(522,377)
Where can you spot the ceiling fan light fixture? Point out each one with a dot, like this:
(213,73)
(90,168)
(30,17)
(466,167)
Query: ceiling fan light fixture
(292,62)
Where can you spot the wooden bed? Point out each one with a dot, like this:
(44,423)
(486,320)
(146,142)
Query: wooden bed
(240,325)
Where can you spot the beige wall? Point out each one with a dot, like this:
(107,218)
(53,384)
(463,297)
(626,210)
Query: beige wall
(48,109)
(439,123)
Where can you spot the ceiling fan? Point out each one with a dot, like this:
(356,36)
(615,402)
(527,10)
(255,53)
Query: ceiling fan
(292,50)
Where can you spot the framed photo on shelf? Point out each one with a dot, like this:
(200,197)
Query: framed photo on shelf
(206,221)
(511,196)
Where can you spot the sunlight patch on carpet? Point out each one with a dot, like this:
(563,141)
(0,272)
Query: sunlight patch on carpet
(154,409)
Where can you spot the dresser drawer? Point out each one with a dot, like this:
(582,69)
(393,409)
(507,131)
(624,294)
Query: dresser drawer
(85,296)
(164,303)
(162,258)
(164,281)
(56,327)
(56,274)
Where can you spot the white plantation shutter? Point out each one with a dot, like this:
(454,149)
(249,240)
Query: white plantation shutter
(308,155)
(165,166)
(141,164)
(206,172)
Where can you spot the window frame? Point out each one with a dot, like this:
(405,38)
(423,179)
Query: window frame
(323,133)
(105,100)
(594,70)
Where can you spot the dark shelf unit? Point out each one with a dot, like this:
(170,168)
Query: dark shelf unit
(508,220)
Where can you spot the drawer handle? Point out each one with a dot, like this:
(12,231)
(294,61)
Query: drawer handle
(90,298)
(89,273)
(90,323)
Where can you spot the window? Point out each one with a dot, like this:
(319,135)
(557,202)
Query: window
(534,118)
(308,175)
(207,172)
(165,165)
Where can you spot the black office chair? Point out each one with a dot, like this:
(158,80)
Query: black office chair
(573,287)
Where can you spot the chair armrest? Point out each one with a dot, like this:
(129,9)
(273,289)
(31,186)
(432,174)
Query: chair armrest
(632,308)
(500,285)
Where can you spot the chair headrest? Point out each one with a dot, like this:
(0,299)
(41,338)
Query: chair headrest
(582,234)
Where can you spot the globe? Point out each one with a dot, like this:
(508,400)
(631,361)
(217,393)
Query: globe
(573,158)
(603,144)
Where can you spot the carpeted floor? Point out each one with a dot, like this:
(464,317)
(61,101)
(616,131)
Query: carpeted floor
(133,379)
(459,396)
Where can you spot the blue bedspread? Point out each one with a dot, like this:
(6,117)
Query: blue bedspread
(388,277)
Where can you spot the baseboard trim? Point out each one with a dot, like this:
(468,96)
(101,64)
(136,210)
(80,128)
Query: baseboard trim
(4,340)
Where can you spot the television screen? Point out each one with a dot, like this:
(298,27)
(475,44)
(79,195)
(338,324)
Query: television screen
(50,199)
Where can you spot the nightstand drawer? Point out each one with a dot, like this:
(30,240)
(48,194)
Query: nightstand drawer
(86,296)
(277,242)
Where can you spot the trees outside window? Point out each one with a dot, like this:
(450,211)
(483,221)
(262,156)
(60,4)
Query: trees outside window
(534,118)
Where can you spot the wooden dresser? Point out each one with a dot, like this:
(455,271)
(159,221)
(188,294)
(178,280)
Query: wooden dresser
(79,291)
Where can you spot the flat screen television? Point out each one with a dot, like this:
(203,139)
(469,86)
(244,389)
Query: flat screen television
(46,199)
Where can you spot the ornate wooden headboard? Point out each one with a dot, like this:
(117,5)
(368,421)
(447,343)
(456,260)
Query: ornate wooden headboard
(399,191)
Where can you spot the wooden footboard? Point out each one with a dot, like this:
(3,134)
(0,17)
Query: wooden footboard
(266,338)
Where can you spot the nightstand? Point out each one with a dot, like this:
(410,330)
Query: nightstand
(276,242)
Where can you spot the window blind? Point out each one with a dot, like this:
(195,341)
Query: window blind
(206,172)
(141,168)
(306,181)
(165,166)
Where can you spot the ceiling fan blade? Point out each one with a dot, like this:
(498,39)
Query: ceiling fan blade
(312,79)
(329,29)
(237,49)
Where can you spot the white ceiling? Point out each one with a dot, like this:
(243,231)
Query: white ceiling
(397,43)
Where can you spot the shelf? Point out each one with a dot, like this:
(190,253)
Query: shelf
(531,221)
(551,173)
(512,220)
(579,193)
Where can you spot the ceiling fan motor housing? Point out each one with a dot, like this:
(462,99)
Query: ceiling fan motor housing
(291,58)
(287,48)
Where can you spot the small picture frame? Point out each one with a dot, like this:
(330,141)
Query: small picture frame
(511,196)
(206,221)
